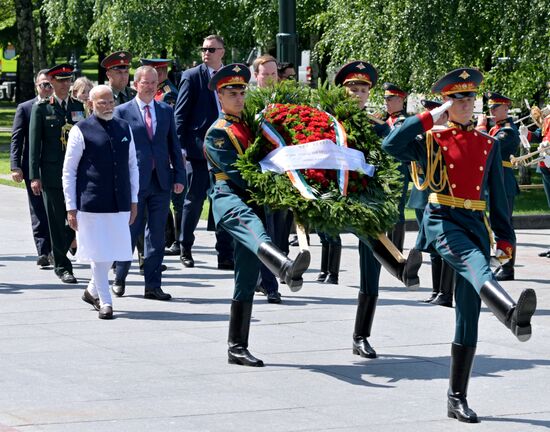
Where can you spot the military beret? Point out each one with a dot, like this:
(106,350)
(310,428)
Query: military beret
(117,60)
(392,90)
(356,72)
(61,71)
(235,75)
(459,83)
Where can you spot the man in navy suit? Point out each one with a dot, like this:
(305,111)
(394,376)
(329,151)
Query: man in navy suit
(19,165)
(197,108)
(157,147)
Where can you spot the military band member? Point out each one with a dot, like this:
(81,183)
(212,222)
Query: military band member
(442,273)
(394,101)
(51,120)
(226,139)
(118,74)
(465,164)
(504,129)
(358,78)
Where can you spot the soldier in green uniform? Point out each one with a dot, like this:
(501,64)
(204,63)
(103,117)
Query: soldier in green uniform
(358,78)
(51,120)
(442,273)
(118,74)
(168,93)
(503,128)
(226,139)
(462,164)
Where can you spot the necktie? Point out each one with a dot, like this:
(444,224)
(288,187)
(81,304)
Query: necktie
(149,122)
(64,105)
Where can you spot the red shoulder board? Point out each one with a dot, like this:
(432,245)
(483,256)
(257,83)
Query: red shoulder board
(465,154)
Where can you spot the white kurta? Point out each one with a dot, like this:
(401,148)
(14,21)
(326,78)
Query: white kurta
(101,237)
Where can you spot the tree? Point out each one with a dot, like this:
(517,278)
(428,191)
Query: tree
(25,42)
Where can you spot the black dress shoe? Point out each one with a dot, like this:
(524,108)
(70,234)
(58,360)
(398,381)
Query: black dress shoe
(156,294)
(105,312)
(226,265)
(274,297)
(545,254)
(430,299)
(362,347)
(43,261)
(72,251)
(173,250)
(187,259)
(118,287)
(88,298)
(505,274)
(68,278)
(294,241)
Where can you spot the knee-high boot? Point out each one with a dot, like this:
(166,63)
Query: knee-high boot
(406,271)
(366,307)
(436,277)
(324,263)
(279,264)
(515,316)
(462,360)
(446,285)
(334,255)
(239,327)
(397,235)
(506,271)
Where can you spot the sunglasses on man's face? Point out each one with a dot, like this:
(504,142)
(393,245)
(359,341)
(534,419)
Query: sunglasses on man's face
(211,50)
(45,85)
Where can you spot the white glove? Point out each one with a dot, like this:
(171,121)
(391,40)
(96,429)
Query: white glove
(439,111)
(547,161)
(523,132)
(502,256)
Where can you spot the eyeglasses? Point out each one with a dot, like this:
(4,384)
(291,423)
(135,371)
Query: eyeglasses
(45,85)
(211,50)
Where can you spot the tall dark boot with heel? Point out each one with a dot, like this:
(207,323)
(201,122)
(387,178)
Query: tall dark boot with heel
(323,273)
(279,264)
(462,360)
(436,277)
(239,327)
(366,307)
(515,316)
(406,271)
(334,255)
(506,271)
(446,286)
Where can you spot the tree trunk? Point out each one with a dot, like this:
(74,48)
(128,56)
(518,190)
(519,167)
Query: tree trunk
(25,40)
(43,41)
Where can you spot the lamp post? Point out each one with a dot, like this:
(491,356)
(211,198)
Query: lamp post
(287,39)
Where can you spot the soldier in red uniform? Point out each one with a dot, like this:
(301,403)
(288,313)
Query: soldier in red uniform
(462,165)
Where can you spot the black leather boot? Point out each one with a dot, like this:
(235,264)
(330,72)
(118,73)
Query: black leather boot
(515,316)
(397,235)
(462,360)
(506,271)
(169,231)
(363,323)
(334,255)
(239,326)
(436,277)
(324,263)
(279,264)
(446,285)
(407,271)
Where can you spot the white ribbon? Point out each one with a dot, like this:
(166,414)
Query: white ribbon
(323,154)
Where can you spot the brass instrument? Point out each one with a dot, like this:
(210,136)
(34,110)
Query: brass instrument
(532,158)
(537,115)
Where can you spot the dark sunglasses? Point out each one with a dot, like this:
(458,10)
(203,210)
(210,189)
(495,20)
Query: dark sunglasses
(210,50)
(45,85)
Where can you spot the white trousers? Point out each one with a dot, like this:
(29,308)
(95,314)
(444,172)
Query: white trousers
(99,283)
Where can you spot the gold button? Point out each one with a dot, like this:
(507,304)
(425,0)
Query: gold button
(454,132)
(453,185)
(451,166)
(485,152)
(467,204)
(489,141)
(445,148)
(438,135)
(475,133)
(481,168)
(477,187)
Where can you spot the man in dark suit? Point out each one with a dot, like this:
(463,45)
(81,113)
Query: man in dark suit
(51,120)
(197,108)
(157,146)
(19,165)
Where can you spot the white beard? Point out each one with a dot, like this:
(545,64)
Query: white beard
(106,117)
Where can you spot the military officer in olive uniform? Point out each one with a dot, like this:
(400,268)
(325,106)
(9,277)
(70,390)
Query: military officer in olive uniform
(442,273)
(358,78)
(462,164)
(118,74)
(503,129)
(226,139)
(51,120)
(394,102)
(168,93)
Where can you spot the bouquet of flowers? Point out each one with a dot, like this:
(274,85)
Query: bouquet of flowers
(363,200)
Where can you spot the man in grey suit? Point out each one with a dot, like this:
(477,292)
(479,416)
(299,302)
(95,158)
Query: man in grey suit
(157,148)
(197,108)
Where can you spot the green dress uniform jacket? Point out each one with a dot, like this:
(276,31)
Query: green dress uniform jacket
(226,139)
(124,96)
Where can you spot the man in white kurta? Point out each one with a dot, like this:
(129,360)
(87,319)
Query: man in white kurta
(100,183)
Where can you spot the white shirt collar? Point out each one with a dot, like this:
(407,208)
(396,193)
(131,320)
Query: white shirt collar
(61,100)
(142,104)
